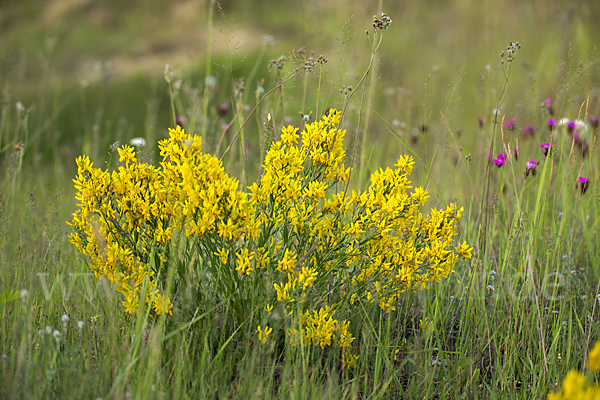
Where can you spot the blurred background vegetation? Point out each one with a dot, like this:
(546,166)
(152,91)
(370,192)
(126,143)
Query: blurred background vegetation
(91,73)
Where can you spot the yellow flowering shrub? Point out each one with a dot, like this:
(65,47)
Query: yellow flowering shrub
(296,237)
(126,216)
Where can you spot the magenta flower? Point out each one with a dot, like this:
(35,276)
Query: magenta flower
(529,130)
(583,184)
(552,124)
(480,122)
(546,148)
(500,160)
(571,127)
(511,124)
(180,120)
(594,122)
(531,167)
(516,150)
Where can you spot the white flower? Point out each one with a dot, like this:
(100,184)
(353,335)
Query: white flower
(24,294)
(270,40)
(80,324)
(65,319)
(210,81)
(56,334)
(138,142)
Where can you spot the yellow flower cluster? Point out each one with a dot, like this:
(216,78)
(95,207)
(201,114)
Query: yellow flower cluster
(263,334)
(289,231)
(320,328)
(374,245)
(126,216)
(575,385)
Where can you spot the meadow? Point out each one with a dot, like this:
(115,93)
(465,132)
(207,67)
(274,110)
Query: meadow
(287,199)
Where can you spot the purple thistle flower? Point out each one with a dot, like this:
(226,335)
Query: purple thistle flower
(511,124)
(583,184)
(516,150)
(531,167)
(529,130)
(551,124)
(502,157)
(546,148)
(180,120)
(571,127)
(594,122)
(480,122)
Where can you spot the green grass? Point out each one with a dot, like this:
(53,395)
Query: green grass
(508,324)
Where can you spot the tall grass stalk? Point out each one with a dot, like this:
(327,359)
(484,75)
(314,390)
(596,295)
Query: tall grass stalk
(208,69)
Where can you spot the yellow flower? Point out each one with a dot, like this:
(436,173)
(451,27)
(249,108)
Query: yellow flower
(127,154)
(306,277)
(223,255)
(573,385)
(424,325)
(405,163)
(244,261)
(264,334)
(316,190)
(594,358)
(464,250)
(283,292)
(262,257)
(289,135)
(346,337)
(288,261)
(420,196)
(162,304)
(350,360)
